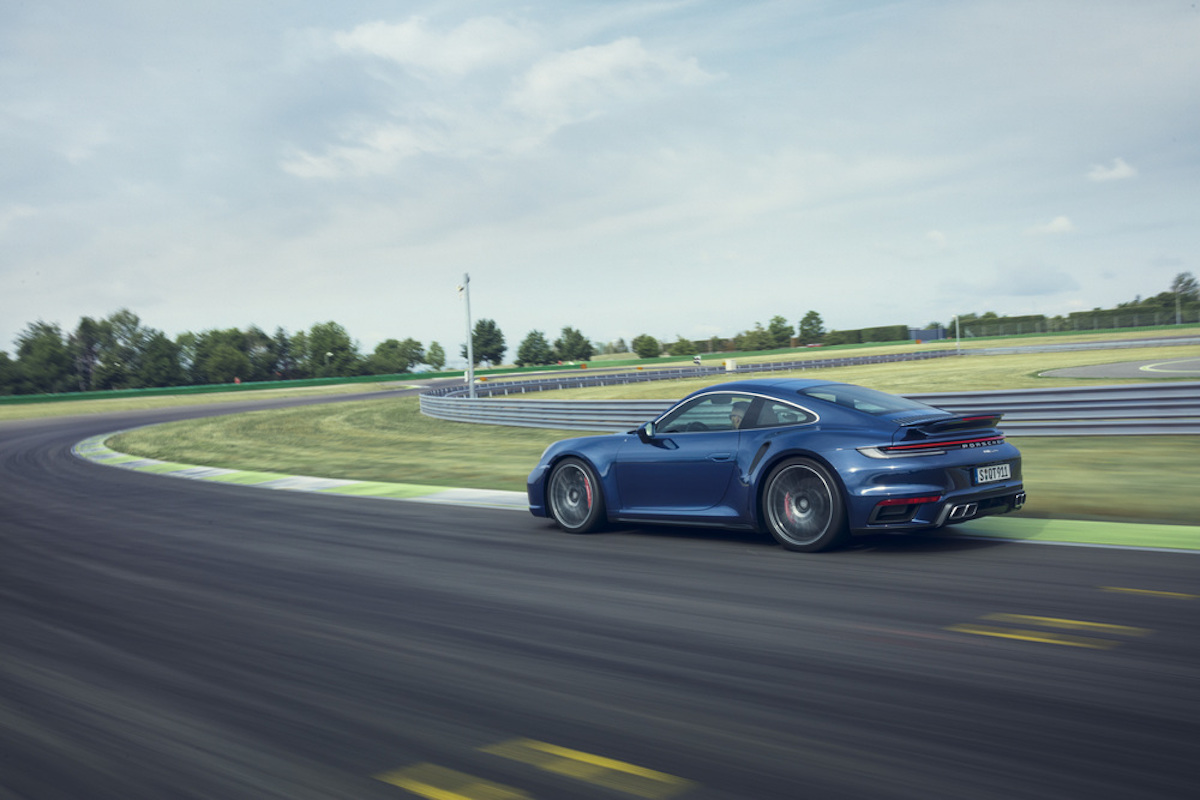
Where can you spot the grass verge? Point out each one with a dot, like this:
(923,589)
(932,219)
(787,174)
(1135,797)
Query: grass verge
(104,406)
(373,440)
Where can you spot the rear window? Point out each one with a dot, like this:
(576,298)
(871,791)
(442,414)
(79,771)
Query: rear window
(869,401)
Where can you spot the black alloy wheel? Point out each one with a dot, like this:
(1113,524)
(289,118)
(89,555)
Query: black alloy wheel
(802,507)
(574,496)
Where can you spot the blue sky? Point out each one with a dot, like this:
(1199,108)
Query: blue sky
(672,168)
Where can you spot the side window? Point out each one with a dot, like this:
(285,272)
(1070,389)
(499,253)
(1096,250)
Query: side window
(773,414)
(711,412)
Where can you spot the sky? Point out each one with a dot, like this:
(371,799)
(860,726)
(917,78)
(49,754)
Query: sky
(676,168)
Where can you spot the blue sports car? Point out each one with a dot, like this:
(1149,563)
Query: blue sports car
(809,461)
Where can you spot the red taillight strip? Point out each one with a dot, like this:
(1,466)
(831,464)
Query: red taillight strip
(908,501)
(941,445)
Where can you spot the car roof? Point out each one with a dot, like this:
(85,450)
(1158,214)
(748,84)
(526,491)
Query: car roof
(778,385)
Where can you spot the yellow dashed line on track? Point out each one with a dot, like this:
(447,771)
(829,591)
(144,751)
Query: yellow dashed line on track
(439,783)
(1068,624)
(1049,636)
(1035,636)
(1151,593)
(597,770)
(435,782)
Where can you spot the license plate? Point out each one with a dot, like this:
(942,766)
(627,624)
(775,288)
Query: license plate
(998,472)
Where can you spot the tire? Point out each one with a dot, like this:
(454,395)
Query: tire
(574,496)
(802,507)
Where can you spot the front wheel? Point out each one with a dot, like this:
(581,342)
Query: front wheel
(802,507)
(574,496)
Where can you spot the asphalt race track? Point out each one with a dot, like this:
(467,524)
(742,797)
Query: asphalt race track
(179,639)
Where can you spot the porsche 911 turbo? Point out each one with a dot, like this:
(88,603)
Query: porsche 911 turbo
(809,461)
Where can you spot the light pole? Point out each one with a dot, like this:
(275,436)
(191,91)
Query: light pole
(465,291)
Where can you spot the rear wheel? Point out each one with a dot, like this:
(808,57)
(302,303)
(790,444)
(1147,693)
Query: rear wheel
(574,496)
(802,507)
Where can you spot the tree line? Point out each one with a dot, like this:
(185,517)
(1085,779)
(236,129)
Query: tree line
(119,352)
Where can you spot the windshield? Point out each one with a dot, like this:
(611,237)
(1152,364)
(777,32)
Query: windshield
(862,399)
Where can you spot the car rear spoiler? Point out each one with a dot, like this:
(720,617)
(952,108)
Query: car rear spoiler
(923,428)
(967,422)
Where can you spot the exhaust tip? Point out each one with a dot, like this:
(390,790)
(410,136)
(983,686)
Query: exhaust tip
(965,511)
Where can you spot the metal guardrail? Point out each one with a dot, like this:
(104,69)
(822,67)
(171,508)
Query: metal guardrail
(1160,408)
(1155,408)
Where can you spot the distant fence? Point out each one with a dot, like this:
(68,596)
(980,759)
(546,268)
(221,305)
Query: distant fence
(580,380)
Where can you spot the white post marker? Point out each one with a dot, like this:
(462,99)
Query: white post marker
(464,291)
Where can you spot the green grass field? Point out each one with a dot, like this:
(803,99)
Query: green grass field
(1143,478)
(69,408)
(377,440)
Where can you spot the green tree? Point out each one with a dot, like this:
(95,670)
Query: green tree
(219,356)
(781,332)
(757,339)
(301,355)
(487,342)
(224,363)
(436,357)
(646,346)
(573,346)
(185,344)
(8,374)
(260,350)
(394,357)
(682,347)
(285,355)
(534,350)
(1186,287)
(159,363)
(85,348)
(812,328)
(122,343)
(44,363)
(331,351)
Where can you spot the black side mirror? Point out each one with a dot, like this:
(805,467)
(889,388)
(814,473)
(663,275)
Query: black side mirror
(646,432)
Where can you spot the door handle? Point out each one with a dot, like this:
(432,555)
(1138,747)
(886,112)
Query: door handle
(720,456)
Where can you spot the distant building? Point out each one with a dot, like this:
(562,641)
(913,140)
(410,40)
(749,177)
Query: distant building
(927,335)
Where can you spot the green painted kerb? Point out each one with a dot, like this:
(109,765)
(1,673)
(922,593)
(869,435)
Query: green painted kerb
(95,450)
(1071,531)
(1017,528)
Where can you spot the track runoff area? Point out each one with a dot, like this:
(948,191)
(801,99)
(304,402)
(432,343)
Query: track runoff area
(1182,538)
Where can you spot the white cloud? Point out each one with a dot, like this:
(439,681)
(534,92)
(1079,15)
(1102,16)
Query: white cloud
(452,114)
(13,213)
(576,84)
(475,44)
(379,151)
(1054,227)
(1031,280)
(1117,172)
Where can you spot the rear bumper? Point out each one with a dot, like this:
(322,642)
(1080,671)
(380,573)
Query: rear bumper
(960,511)
(893,514)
